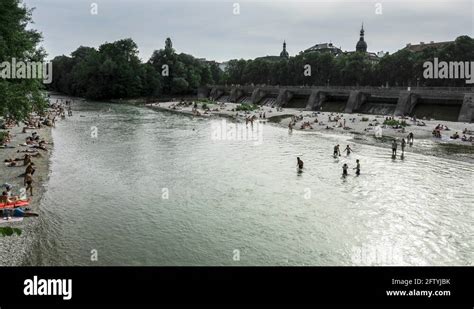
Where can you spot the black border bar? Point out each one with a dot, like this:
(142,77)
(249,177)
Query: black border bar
(241,285)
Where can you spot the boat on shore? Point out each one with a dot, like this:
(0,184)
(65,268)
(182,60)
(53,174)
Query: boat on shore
(15,204)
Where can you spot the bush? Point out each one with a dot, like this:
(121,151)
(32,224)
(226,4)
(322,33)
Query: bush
(364,119)
(3,135)
(205,100)
(393,122)
(246,107)
(8,231)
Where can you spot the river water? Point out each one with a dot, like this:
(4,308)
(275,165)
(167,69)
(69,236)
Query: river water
(153,188)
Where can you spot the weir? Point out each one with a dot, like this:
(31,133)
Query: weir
(444,103)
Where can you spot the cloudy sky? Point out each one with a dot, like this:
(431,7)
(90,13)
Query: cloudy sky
(210,29)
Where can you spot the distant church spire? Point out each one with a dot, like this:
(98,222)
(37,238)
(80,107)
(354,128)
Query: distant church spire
(361,44)
(284,53)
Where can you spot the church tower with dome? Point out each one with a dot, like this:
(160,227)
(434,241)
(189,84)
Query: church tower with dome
(361,44)
(361,48)
(284,53)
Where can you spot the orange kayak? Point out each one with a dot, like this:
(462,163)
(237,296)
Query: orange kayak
(15,204)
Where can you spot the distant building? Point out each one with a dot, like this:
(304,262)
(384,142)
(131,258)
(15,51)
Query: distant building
(361,47)
(223,65)
(324,48)
(270,58)
(422,46)
(284,53)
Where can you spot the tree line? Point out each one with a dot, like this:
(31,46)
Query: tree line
(403,68)
(115,71)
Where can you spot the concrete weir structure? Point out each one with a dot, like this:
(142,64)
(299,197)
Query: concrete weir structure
(448,103)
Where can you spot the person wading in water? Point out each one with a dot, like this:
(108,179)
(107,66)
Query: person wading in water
(357,168)
(344,170)
(410,138)
(299,163)
(394,148)
(348,150)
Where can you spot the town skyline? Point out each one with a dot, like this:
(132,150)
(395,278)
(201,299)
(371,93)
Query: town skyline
(215,33)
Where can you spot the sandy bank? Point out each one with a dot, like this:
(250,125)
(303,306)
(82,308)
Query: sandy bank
(357,124)
(14,247)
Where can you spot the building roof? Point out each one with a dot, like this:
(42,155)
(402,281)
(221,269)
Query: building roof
(373,57)
(422,46)
(269,58)
(323,47)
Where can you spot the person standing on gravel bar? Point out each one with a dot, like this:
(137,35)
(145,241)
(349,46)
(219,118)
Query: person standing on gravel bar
(29,183)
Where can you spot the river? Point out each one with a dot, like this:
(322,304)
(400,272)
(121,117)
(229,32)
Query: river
(153,188)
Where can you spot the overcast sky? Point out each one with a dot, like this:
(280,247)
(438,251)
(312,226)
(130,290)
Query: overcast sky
(209,29)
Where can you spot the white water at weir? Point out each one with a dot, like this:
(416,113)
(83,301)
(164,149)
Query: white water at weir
(223,99)
(378,108)
(245,100)
(269,101)
(106,194)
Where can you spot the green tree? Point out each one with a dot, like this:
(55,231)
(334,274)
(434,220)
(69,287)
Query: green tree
(179,85)
(235,71)
(19,96)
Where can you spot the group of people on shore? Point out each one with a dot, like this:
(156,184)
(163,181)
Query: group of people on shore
(33,143)
(437,133)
